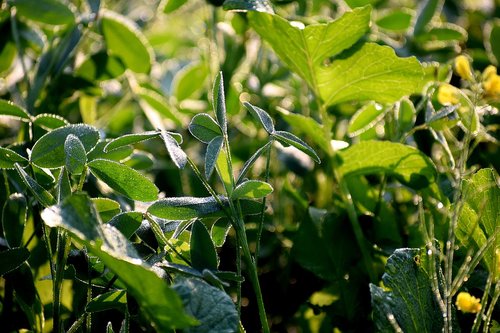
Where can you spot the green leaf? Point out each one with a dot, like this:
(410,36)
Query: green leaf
(427,10)
(140,160)
(9,109)
(116,154)
(48,151)
(150,99)
(262,116)
(175,152)
(50,12)
(492,40)
(213,308)
(445,34)
(153,295)
(100,67)
(288,139)
(407,294)
(189,80)
(307,126)
(8,158)
(127,223)
(213,149)
(219,101)
(248,164)
(407,164)
(365,118)
(49,121)
(398,20)
(130,139)
(364,72)
(172,5)
(186,208)
(8,54)
(124,180)
(41,194)
(106,208)
(76,157)
(252,189)
(111,300)
(479,218)
(14,215)
(223,171)
(406,115)
(125,40)
(202,249)
(248,5)
(12,258)
(219,231)
(204,128)
(63,185)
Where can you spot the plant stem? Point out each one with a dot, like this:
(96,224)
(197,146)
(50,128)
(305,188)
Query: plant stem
(62,252)
(260,226)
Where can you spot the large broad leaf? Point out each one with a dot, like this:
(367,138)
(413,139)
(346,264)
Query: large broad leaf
(125,40)
(51,12)
(202,249)
(211,306)
(407,164)
(162,305)
(124,180)
(8,158)
(186,208)
(480,215)
(14,214)
(48,151)
(407,297)
(365,72)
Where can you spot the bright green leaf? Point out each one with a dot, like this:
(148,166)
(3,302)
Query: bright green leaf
(100,66)
(8,54)
(124,180)
(48,151)
(406,115)
(219,101)
(395,20)
(288,139)
(9,157)
(427,10)
(492,41)
(140,160)
(130,139)
(190,80)
(406,163)
(115,299)
(202,249)
(248,164)
(116,154)
(9,109)
(127,223)
(172,5)
(150,99)
(126,41)
(51,12)
(14,215)
(365,118)
(307,126)
(249,5)
(204,128)
(106,208)
(49,121)
(219,231)
(252,189)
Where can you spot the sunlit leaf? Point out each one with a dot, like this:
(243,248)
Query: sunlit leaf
(252,189)
(41,194)
(288,139)
(76,157)
(261,115)
(51,12)
(10,109)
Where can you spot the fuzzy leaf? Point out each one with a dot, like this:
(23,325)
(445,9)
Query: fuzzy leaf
(124,180)
(127,223)
(288,139)
(48,151)
(130,139)
(175,152)
(204,128)
(262,116)
(213,149)
(76,157)
(49,121)
(14,215)
(219,101)
(248,5)
(41,194)
(248,164)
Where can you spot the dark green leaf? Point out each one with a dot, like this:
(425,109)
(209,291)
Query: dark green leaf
(48,151)
(407,295)
(49,121)
(76,157)
(309,127)
(365,118)
(116,299)
(396,20)
(204,128)
(50,12)
(140,160)
(406,163)
(262,116)
(288,139)
(252,189)
(202,249)
(127,223)
(41,194)
(248,164)
(249,5)
(126,41)
(492,40)
(406,115)
(11,259)
(175,152)
(124,180)
(8,54)
(9,109)
(106,208)
(63,186)
(213,150)
(130,139)
(427,10)
(219,101)
(14,216)
(100,67)
(9,157)
(213,308)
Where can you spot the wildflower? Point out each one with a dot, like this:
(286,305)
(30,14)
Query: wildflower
(467,303)
(447,94)
(492,85)
(462,67)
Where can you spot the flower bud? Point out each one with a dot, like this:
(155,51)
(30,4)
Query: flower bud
(467,303)
(447,94)
(462,67)
(492,85)
(488,72)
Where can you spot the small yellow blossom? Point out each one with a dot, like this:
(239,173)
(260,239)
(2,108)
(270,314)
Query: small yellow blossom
(468,303)
(492,85)
(462,67)
(447,94)
(489,71)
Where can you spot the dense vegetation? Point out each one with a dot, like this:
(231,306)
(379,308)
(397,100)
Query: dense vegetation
(247,165)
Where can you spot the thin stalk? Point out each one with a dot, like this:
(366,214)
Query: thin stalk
(479,316)
(77,324)
(62,252)
(260,226)
(494,300)
(83,176)
(88,316)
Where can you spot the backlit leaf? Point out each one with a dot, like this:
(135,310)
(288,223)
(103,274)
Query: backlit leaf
(252,189)
(41,194)
(130,139)
(115,299)
(10,109)
(219,101)
(249,5)
(51,12)
(175,152)
(106,208)
(288,139)
(365,118)
(213,149)
(8,158)
(262,116)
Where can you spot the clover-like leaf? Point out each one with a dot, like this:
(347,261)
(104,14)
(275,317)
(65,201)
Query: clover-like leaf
(9,109)
(261,115)
(219,101)
(288,139)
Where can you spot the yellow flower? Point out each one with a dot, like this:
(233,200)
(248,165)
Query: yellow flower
(467,303)
(492,85)
(447,94)
(462,67)
(489,71)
